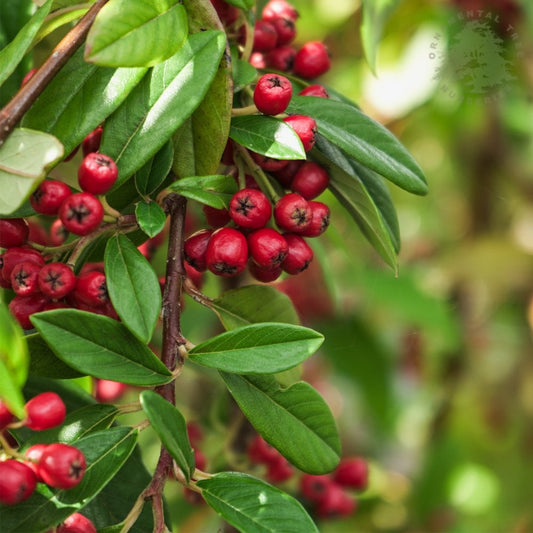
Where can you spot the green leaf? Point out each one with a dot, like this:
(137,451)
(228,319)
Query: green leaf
(100,346)
(58,19)
(136,33)
(151,217)
(268,136)
(25,158)
(263,348)
(12,54)
(44,362)
(243,74)
(171,428)
(215,191)
(161,103)
(14,363)
(253,506)
(252,304)
(151,175)
(364,139)
(351,192)
(375,15)
(133,286)
(79,98)
(304,429)
(242,4)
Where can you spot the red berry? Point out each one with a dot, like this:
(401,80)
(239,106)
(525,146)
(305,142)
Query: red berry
(227,13)
(314,90)
(33,456)
(319,219)
(108,391)
(336,503)
(195,247)
(265,36)
(285,175)
(81,213)
(25,278)
(56,280)
(44,411)
(58,233)
(37,234)
(72,154)
(267,248)
(281,58)
(299,255)
(13,256)
(285,29)
(265,275)
(268,163)
(22,307)
(216,218)
(272,94)
(13,232)
(61,466)
(17,482)
(195,433)
(315,488)
(250,208)
(305,127)
(227,252)
(279,8)
(97,173)
(6,416)
(200,460)
(352,472)
(259,451)
(310,181)
(91,289)
(311,60)
(76,523)
(49,196)
(292,213)
(258,60)
(194,275)
(91,143)
(279,470)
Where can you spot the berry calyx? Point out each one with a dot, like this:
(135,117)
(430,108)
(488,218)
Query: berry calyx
(292,213)
(299,256)
(319,219)
(48,197)
(13,232)
(17,482)
(13,256)
(25,278)
(227,252)
(76,523)
(305,127)
(267,248)
(310,180)
(97,173)
(195,247)
(311,60)
(44,411)
(250,208)
(61,466)
(272,94)
(56,280)
(81,213)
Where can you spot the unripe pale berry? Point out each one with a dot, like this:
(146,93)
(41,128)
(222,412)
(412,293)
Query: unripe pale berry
(44,411)
(62,466)
(97,173)
(227,252)
(272,94)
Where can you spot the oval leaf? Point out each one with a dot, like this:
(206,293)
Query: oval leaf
(361,137)
(133,286)
(100,346)
(43,361)
(151,175)
(263,348)
(171,428)
(254,506)
(127,33)
(267,136)
(215,191)
(304,430)
(150,217)
(161,103)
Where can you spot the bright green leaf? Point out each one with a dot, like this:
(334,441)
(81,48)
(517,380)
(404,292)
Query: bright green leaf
(58,19)
(242,4)
(215,191)
(150,217)
(295,420)
(254,506)
(243,74)
(100,346)
(134,33)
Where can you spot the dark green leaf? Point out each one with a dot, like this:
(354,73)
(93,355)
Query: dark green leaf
(100,346)
(263,348)
(43,361)
(243,74)
(128,33)
(253,506)
(151,175)
(133,287)
(162,102)
(12,54)
(242,4)
(304,430)
(79,98)
(171,428)
(364,139)
(268,136)
(150,217)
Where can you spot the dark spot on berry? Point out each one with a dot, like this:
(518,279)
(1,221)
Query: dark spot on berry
(78,212)
(20,277)
(54,280)
(299,216)
(245,206)
(224,268)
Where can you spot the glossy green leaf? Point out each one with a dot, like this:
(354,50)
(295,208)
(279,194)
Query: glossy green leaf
(375,15)
(295,420)
(151,175)
(161,103)
(133,287)
(263,348)
(268,136)
(25,158)
(254,303)
(14,363)
(44,362)
(100,346)
(150,217)
(243,74)
(79,98)
(215,191)
(351,192)
(58,19)
(253,506)
(364,139)
(12,54)
(133,33)
(171,428)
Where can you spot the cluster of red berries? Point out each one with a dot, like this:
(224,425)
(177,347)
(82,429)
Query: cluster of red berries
(57,465)
(278,469)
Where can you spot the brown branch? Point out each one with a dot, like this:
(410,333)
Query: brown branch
(22,101)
